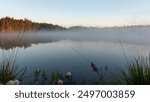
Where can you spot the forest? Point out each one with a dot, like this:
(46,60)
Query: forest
(8,24)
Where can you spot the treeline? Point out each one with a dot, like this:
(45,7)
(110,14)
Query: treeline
(8,24)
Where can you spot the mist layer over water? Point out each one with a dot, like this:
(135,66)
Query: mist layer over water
(129,35)
(133,35)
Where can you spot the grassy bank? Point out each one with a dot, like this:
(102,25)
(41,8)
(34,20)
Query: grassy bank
(136,73)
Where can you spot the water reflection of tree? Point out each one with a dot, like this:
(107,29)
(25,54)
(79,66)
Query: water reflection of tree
(10,44)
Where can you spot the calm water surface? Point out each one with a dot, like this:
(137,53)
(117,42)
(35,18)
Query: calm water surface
(69,52)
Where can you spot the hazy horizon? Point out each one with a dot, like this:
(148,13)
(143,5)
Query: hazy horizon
(131,35)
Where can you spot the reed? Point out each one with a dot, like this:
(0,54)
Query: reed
(8,68)
(138,72)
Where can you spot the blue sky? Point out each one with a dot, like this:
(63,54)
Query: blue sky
(79,12)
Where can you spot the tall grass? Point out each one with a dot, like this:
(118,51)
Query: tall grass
(138,72)
(9,72)
(8,68)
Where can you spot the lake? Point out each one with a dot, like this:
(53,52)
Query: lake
(74,50)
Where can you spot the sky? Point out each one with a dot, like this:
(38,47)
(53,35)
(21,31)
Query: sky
(97,13)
